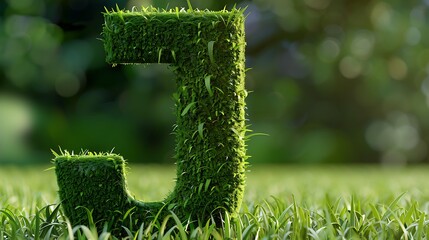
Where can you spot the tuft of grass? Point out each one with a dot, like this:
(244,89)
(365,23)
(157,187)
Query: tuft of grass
(306,203)
(66,153)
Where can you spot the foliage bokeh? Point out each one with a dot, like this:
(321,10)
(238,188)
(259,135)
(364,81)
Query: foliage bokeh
(332,82)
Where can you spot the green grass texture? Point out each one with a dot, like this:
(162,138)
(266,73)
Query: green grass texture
(280,202)
(205,50)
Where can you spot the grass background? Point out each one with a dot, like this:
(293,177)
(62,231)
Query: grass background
(310,183)
(292,202)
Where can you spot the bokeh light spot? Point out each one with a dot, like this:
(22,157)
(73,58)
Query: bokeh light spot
(397,68)
(396,138)
(413,36)
(350,67)
(381,15)
(16,120)
(363,44)
(329,50)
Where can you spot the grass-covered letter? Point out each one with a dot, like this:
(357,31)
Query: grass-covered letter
(206,52)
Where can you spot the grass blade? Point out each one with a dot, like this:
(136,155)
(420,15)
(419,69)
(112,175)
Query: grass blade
(201,129)
(180,227)
(186,110)
(210,49)
(208,85)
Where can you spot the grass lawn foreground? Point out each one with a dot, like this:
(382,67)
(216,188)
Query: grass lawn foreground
(281,202)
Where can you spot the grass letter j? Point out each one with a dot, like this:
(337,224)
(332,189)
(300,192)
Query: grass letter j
(206,52)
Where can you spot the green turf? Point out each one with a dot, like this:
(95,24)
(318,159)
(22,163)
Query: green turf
(206,52)
(280,202)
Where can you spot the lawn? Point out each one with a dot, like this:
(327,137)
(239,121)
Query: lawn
(281,202)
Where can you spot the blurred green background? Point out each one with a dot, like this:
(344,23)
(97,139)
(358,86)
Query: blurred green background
(332,81)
